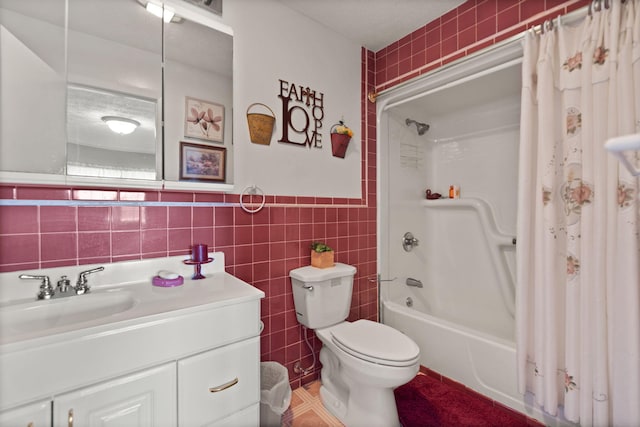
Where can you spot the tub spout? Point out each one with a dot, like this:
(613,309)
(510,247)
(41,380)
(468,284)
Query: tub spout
(414,282)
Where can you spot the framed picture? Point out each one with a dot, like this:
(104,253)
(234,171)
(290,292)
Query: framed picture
(203,120)
(202,162)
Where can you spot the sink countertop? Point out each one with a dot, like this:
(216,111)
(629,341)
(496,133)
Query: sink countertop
(129,282)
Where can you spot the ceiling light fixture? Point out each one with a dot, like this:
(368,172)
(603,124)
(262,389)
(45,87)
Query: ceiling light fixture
(160,11)
(121,125)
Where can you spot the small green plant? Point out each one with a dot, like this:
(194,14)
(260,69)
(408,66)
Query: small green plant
(320,247)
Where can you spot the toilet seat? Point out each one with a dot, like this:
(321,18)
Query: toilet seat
(376,343)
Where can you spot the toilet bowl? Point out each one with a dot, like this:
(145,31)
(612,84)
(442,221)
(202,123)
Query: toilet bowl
(362,361)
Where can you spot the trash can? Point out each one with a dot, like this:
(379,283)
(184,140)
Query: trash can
(275,393)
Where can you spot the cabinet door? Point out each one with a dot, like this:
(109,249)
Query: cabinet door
(146,398)
(218,383)
(33,415)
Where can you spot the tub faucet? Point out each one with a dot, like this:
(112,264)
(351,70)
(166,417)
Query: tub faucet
(413,282)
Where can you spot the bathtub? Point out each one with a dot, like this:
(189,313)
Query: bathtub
(484,363)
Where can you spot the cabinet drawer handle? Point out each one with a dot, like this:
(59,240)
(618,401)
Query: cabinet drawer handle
(70,418)
(224,386)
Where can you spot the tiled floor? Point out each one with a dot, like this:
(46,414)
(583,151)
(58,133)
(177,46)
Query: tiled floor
(306,409)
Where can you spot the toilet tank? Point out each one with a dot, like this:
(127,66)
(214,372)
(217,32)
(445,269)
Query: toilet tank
(322,296)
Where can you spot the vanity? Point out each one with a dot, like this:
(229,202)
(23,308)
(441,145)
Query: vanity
(130,353)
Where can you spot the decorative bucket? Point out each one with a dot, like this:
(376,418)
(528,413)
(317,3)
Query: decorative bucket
(339,144)
(260,125)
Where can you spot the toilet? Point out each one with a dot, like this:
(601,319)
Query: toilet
(362,361)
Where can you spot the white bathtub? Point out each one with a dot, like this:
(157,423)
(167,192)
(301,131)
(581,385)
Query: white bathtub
(484,363)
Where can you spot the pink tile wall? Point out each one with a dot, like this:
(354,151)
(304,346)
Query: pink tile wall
(470,27)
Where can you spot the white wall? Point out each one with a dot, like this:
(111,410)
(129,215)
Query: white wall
(273,42)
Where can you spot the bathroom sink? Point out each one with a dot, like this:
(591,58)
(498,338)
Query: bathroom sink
(124,324)
(122,297)
(37,317)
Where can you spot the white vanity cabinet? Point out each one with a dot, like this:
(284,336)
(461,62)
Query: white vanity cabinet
(144,399)
(183,356)
(33,415)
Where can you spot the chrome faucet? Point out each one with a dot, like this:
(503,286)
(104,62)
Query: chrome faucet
(46,290)
(82,287)
(62,286)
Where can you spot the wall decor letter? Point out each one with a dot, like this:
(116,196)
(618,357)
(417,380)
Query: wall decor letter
(302,113)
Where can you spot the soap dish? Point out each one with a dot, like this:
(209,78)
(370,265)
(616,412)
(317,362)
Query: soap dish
(167,283)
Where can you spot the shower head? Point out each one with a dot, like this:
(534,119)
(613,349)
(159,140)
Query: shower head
(422,128)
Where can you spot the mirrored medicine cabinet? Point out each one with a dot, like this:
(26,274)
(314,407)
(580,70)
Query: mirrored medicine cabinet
(95,91)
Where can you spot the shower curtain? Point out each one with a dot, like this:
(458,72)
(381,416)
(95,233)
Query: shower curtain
(578,295)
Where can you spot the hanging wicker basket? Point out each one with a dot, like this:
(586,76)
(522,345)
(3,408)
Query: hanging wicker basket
(260,125)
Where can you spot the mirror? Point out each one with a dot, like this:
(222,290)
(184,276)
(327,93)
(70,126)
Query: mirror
(198,78)
(32,86)
(113,69)
(114,72)
(98,144)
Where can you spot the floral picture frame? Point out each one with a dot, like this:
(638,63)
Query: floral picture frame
(203,120)
(202,162)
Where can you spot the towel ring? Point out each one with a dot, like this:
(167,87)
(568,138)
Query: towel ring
(251,190)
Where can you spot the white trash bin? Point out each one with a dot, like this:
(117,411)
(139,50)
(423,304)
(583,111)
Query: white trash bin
(275,393)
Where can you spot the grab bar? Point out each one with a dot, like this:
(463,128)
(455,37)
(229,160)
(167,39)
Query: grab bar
(414,282)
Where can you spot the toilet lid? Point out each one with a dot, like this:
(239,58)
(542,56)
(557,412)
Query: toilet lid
(376,343)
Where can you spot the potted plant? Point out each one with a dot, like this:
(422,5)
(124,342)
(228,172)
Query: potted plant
(340,137)
(321,255)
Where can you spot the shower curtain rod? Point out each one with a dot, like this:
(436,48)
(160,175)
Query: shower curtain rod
(453,83)
(572,17)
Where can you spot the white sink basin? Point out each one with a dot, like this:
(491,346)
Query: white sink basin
(32,317)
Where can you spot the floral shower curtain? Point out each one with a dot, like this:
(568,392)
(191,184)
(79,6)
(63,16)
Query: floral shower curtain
(578,298)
